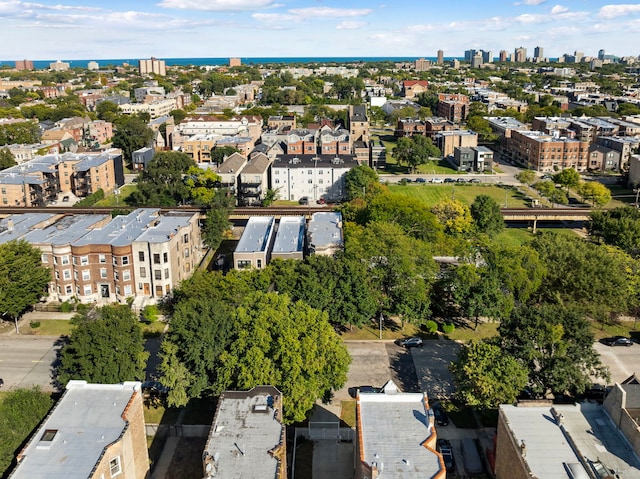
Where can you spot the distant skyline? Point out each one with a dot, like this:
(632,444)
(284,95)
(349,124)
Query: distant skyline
(91,29)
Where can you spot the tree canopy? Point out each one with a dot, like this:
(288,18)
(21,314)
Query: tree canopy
(105,347)
(618,227)
(6,159)
(162,181)
(486,215)
(132,133)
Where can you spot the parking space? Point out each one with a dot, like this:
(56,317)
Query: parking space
(432,367)
(622,361)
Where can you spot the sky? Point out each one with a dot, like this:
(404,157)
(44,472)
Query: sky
(119,29)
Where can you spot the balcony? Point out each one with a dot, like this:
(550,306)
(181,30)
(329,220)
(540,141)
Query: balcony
(245,191)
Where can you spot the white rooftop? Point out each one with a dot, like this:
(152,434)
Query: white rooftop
(87,419)
(256,234)
(290,236)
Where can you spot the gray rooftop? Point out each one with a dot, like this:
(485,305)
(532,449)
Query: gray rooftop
(165,227)
(257,165)
(65,230)
(325,229)
(14,227)
(121,230)
(290,236)
(232,164)
(394,428)
(244,431)
(87,419)
(587,425)
(255,237)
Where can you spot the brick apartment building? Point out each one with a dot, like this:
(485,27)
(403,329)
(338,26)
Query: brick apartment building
(453,106)
(96,258)
(95,431)
(542,152)
(447,141)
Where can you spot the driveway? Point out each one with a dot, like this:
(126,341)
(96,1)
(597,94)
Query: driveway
(432,367)
(27,361)
(622,361)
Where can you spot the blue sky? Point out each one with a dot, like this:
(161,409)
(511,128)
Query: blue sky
(91,29)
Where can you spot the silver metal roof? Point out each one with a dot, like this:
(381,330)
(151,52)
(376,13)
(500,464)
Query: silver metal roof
(255,237)
(65,230)
(14,227)
(393,429)
(121,230)
(586,424)
(87,419)
(325,229)
(290,236)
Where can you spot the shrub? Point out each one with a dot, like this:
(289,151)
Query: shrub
(431,326)
(150,313)
(34,324)
(448,328)
(66,307)
(91,199)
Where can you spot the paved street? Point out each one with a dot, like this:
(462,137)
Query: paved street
(622,361)
(26,361)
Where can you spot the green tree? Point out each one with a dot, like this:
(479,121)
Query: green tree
(486,377)
(289,345)
(360,181)
(217,224)
(202,183)
(218,154)
(486,215)
(105,347)
(23,279)
(108,111)
(6,159)
(21,410)
(131,134)
(22,132)
(569,178)
(555,344)
(454,216)
(526,177)
(559,197)
(597,193)
(415,151)
(162,181)
(618,227)
(178,115)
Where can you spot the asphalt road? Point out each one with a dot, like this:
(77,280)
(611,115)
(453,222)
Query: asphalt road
(27,361)
(622,361)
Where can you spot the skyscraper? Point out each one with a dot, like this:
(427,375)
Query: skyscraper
(440,59)
(538,53)
(24,65)
(503,55)
(520,55)
(601,54)
(152,66)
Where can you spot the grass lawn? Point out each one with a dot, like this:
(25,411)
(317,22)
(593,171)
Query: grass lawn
(153,330)
(117,200)
(156,413)
(51,327)
(390,330)
(440,167)
(466,333)
(622,328)
(466,193)
(348,412)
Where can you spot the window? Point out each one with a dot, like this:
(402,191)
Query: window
(166,273)
(126,275)
(125,260)
(165,257)
(277,181)
(4,191)
(68,289)
(57,274)
(186,252)
(127,290)
(259,263)
(140,255)
(86,275)
(310,172)
(158,290)
(114,261)
(143,272)
(103,273)
(310,181)
(156,258)
(84,260)
(185,238)
(44,258)
(66,274)
(65,259)
(157,274)
(102,258)
(74,260)
(87,289)
(244,264)
(48,435)
(114,466)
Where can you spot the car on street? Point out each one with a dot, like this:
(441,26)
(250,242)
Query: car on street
(353,392)
(421,180)
(444,446)
(474,180)
(441,416)
(1,382)
(461,180)
(617,341)
(449,180)
(410,342)
(437,180)
(304,200)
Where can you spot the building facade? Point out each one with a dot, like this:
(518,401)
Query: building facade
(152,66)
(541,152)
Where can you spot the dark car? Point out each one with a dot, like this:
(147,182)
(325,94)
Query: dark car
(410,342)
(421,180)
(446,451)
(304,200)
(441,417)
(1,382)
(449,180)
(353,392)
(617,341)
(474,180)
(461,180)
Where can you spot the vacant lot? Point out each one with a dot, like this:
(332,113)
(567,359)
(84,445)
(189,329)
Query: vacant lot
(431,194)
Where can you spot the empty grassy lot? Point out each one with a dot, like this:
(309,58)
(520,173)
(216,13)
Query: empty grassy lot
(431,194)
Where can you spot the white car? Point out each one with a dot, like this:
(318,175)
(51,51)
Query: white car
(437,180)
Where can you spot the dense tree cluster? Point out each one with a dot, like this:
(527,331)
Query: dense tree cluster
(22,132)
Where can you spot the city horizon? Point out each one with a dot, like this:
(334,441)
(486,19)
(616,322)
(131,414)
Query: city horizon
(266,29)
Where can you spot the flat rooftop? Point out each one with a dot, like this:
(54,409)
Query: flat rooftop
(255,237)
(589,427)
(393,429)
(245,430)
(325,229)
(290,236)
(86,420)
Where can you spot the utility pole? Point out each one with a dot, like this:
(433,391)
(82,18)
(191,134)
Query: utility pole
(381,319)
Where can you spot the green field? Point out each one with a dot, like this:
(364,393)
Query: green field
(431,194)
(117,200)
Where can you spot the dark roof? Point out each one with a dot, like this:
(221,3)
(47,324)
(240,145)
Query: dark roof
(306,161)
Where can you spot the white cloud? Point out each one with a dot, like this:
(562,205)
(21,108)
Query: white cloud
(612,11)
(350,25)
(216,5)
(531,2)
(274,18)
(559,9)
(328,12)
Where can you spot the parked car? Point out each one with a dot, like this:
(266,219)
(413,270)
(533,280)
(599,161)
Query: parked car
(449,180)
(441,416)
(474,180)
(421,180)
(1,382)
(617,341)
(461,180)
(444,446)
(410,342)
(304,200)
(437,180)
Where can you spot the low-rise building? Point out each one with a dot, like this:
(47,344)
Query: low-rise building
(324,234)
(254,248)
(289,242)
(447,141)
(413,88)
(229,171)
(542,152)
(247,438)
(396,436)
(603,159)
(141,158)
(254,180)
(94,431)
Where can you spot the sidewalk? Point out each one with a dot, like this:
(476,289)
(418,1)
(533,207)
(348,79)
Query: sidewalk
(26,318)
